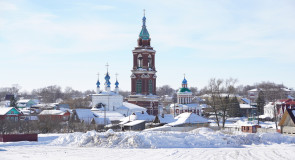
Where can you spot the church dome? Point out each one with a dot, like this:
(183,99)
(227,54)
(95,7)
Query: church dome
(97,83)
(107,77)
(117,84)
(184,81)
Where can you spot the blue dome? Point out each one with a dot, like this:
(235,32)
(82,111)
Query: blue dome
(109,84)
(107,77)
(117,84)
(97,83)
(184,81)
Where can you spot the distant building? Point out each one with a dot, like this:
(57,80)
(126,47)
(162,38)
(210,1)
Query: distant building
(253,93)
(107,100)
(26,103)
(184,102)
(55,115)
(86,116)
(10,113)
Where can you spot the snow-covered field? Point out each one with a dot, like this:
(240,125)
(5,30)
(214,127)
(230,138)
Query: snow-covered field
(198,144)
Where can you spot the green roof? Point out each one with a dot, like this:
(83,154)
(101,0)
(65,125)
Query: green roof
(184,90)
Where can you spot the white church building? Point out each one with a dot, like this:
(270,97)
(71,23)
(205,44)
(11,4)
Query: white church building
(184,101)
(111,101)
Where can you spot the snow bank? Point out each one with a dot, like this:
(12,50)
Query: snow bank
(199,138)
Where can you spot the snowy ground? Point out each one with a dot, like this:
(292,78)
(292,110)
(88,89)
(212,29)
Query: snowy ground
(199,144)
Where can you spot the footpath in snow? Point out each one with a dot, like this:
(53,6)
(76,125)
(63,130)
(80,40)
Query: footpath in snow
(199,138)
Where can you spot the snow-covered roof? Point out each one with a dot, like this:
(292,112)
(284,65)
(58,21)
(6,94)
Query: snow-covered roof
(253,90)
(111,115)
(168,118)
(188,118)
(245,106)
(26,111)
(104,93)
(87,115)
(138,116)
(52,112)
(133,123)
(240,123)
(186,106)
(131,106)
(4,110)
(23,101)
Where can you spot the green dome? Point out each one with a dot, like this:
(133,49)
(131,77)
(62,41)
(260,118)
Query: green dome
(184,90)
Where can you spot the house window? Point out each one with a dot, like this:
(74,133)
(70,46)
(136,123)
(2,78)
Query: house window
(151,86)
(138,86)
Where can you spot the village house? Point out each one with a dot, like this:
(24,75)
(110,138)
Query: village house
(287,122)
(56,115)
(86,116)
(10,113)
(26,103)
(137,125)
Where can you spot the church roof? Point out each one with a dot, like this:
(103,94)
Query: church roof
(184,90)
(144,34)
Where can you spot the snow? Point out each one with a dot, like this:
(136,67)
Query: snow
(188,118)
(87,115)
(168,118)
(4,110)
(52,112)
(133,123)
(246,106)
(138,116)
(111,115)
(198,138)
(129,108)
(201,143)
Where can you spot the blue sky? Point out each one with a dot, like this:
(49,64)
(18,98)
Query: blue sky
(67,42)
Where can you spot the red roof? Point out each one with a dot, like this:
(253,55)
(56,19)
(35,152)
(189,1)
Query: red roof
(285,100)
(292,102)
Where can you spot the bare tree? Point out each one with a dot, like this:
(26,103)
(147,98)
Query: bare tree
(220,94)
(165,90)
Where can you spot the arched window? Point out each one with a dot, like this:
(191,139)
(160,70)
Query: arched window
(150,61)
(151,86)
(138,86)
(139,61)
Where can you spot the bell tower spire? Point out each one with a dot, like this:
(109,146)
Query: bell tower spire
(144,36)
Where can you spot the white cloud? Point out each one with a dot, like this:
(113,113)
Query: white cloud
(5,6)
(103,7)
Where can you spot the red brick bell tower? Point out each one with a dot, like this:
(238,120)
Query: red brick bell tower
(143,77)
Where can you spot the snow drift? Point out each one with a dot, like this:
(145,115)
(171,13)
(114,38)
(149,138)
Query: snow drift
(199,138)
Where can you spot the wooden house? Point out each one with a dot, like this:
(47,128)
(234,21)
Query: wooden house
(287,122)
(250,128)
(9,113)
